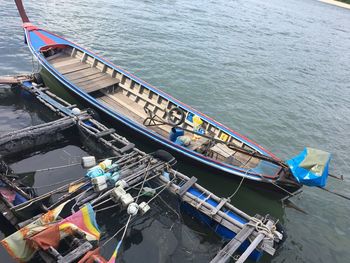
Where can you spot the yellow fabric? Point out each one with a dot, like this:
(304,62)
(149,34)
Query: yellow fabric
(73,187)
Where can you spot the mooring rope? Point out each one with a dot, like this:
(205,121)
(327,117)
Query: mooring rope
(239,186)
(262,228)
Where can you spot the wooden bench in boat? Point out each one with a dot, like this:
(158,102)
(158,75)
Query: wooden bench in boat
(132,110)
(223,153)
(82,74)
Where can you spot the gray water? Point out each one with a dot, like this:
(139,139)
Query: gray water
(276,71)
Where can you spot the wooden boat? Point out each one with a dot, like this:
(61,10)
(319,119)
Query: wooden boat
(152,113)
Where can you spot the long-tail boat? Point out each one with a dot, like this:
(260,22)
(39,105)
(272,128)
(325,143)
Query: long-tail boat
(152,113)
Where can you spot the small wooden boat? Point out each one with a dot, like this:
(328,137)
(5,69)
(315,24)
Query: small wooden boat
(151,112)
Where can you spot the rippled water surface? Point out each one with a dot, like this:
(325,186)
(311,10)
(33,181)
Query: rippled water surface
(276,71)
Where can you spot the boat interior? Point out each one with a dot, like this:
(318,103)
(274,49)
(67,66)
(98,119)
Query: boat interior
(149,108)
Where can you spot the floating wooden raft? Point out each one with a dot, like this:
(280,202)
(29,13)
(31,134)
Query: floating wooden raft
(228,221)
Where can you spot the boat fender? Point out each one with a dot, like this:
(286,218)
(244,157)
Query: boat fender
(132,209)
(38,79)
(88,161)
(165,157)
(176,116)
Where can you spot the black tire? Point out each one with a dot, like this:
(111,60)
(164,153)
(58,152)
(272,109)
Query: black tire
(38,79)
(165,157)
(172,119)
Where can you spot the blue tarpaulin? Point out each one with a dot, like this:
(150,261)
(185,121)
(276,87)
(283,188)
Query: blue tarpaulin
(310,167)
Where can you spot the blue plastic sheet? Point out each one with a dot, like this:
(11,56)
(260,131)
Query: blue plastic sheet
(310,167)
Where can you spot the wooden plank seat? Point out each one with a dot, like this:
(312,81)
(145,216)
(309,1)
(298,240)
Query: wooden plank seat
(131,109)
(65,62)
(93,76)
(73,67)
(81,74)
(99,83)
(58,57)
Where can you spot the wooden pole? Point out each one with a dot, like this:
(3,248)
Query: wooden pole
(254,244)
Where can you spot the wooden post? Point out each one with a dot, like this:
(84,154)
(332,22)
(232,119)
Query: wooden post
(254,244)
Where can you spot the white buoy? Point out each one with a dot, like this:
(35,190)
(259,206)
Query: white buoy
(76,111)
(144,207)
(121,183)
(88,161)
(133,208)
(117,193)
(126,199)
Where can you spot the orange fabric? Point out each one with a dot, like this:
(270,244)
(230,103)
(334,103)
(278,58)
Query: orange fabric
(48,237)
(92,257)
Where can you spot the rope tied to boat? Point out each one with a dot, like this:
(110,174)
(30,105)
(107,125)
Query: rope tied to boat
(239,186)
(261,228)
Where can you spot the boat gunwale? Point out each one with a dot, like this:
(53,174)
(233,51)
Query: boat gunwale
(129,122)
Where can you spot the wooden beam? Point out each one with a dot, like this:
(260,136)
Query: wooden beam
(14,79)
(183,189)
(231,247)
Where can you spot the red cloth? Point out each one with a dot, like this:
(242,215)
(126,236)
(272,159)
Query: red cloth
(92,257)
(48,237)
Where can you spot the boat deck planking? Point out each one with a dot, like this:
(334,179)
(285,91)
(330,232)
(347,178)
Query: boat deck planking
(130,98)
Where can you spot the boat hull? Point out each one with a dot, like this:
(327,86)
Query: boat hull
(37,41)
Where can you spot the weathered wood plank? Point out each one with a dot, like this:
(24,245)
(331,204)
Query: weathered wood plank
(66,62)
(100,84)
(14,79)
(105,133)
(231,247)
(73,68)
(58,57)
(98,79)
(187,186)
(106,81)
(219,206)
(253,245)
(92,77)
(82,73)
